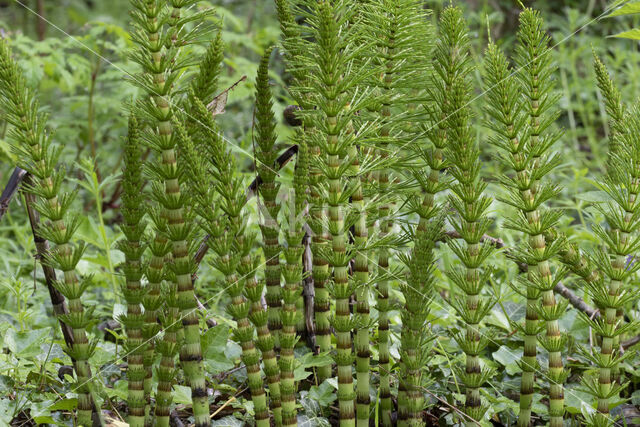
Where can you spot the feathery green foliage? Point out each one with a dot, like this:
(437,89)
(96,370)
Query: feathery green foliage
(389,173)
(610,291)
(333,80)
(296,49)
(162,36)
(38,156)
(222,202)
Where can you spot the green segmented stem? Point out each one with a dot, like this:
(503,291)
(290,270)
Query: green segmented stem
(133,228)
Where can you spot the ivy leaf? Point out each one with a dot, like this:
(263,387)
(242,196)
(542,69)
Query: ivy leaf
(214,343)
(508,358)
(324,394)
(309,360)
(64,405)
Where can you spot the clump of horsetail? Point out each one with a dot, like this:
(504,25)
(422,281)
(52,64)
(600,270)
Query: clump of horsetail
(293,276)
(133,227)
(522,112)
(471,205)
(401,31)
(530,160)
(295,50)
(161,36)
(266,159)
(266,156)
(221,201)
(333,81)
(621,212)
(38,156)
(418,291)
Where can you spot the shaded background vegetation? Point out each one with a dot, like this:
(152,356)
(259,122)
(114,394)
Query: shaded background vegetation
(75,54)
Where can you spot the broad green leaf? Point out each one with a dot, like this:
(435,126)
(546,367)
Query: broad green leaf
(575,400)
(64,405)
(26,344)
(6,382)
(631,34)
(214,344)
(215,339)
(7,409)
(324,394)
(508,358)
(182,394)
(628,9)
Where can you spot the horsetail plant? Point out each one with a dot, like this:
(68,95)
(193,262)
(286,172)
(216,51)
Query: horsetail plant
(613,104)
(470,205)
(293,275)
(529,194)
(522,112)
(402,49)
(38,156)
(334,83)
(622,214)
(418,292)
(266,156)
(133,247)
(161,37)
(616,111)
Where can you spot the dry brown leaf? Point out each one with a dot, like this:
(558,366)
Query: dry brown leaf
(219,103)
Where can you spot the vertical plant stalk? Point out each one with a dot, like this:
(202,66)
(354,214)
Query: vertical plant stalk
(222,199)
(472,223)
(613,104)
(267,157)
(333,79)
(616,112)
(534,56)
(318,214)
(293,275)
(34,148)
(146,15)
(361,278)
(42,248)
(418,293)
(133,228)
(361,281)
